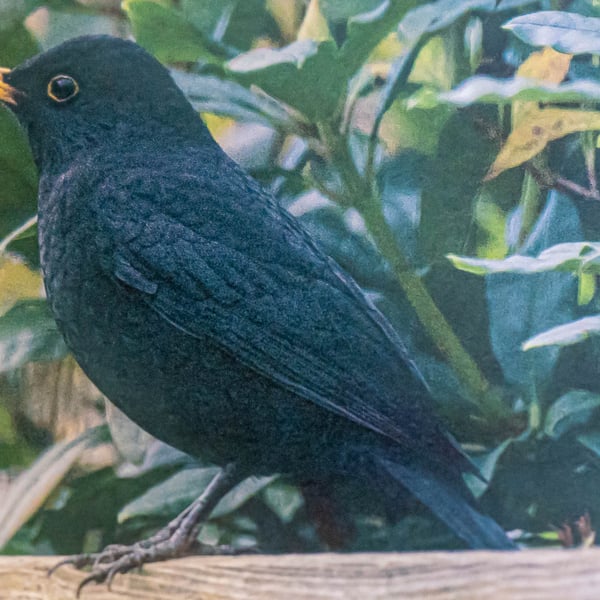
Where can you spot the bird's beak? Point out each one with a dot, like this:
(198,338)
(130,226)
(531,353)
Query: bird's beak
(7,92)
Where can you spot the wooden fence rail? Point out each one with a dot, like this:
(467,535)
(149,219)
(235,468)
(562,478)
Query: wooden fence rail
(528,575)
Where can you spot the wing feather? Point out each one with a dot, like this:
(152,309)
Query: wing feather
(227,262)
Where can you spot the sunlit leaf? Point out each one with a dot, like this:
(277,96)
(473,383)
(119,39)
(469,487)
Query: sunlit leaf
(533,127)
(339,10)
(17,281)
(586,289)
(547,65)
(533,134)
(312,76)
(211,94)
(564,31)
(569,256)
(565,335)
(482,88)
(431,17)
(314,26)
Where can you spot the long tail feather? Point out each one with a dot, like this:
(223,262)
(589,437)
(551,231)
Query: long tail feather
(450,505)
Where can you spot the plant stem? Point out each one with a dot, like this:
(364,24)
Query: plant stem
(362,197)
(530,206)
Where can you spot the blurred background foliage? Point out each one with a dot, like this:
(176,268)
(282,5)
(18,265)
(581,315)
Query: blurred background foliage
(444,153)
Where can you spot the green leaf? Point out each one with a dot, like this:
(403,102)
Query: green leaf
(314,25)
(521,306)
(566,32)
(482,88)
(312,76)
(170,496)
(569,411)
(28,333)
(487,466)
(340,10)
(250,21)
(177,492)
(301,74)
(283,499)
(240,494)
(13,12)
(166,33)
(586,290)
(18,175)
(32,487)
(230,24)
(567,334)
(447,198)
(591,441)
(16,45)
(366,30)
(230,99)
(208,16)
(575,257)
(433,17)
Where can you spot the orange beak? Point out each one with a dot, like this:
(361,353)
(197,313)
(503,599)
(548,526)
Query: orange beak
(7,92)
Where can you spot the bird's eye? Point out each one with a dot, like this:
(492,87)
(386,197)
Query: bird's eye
(62,88)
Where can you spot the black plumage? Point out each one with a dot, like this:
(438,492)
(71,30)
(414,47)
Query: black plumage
(202,308)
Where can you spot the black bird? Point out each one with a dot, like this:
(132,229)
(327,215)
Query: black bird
(204,310)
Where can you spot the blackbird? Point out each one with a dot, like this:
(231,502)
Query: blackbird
(205,311)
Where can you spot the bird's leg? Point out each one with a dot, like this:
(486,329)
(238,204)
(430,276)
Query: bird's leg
(177,539)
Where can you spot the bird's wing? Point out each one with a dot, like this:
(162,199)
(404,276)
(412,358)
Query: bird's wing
(222,259)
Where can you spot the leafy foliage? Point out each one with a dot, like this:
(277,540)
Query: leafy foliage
(444,153)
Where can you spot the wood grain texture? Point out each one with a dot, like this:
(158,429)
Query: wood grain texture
(527,575)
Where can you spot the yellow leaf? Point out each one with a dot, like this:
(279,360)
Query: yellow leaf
(547,65)
(531,136)
(17,281)
(217,124)
(287,15)
(586,289)
(314,27)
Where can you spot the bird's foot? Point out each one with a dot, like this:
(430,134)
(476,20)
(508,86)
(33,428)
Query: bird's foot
(177,539)
(115,559)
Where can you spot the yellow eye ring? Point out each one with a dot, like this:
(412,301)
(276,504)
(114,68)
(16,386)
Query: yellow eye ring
(62,88)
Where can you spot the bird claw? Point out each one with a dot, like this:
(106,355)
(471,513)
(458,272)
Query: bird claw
(178,538)
(79,561)
(105,570)
(115,559)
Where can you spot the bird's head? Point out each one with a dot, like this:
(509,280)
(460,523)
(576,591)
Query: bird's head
(95,90)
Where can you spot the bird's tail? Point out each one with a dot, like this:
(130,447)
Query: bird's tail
(450,504)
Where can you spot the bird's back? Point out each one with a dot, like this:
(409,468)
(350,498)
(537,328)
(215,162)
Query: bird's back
(190,292)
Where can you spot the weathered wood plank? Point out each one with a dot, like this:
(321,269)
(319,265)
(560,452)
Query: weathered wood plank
(528,575)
